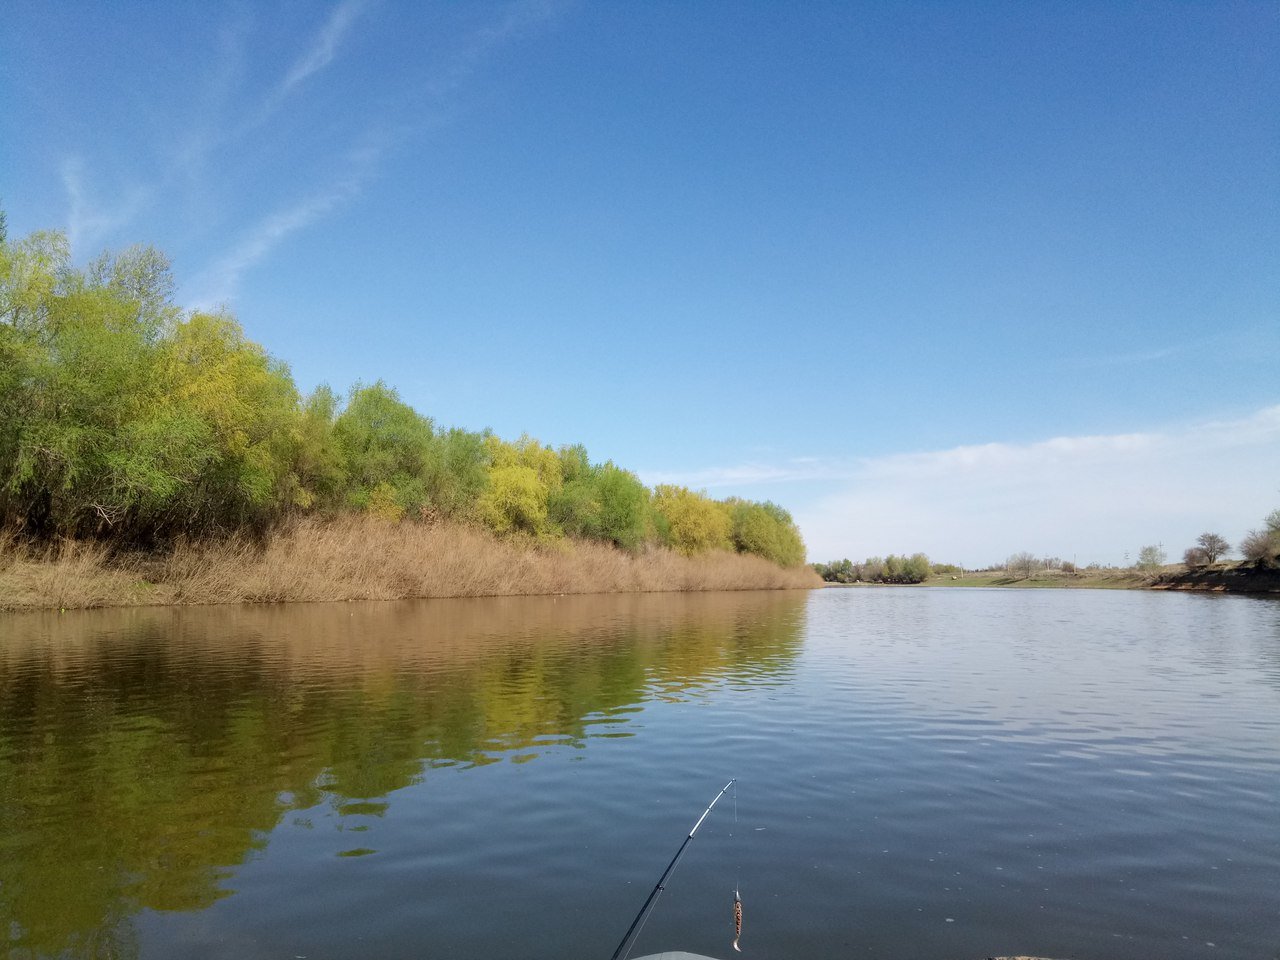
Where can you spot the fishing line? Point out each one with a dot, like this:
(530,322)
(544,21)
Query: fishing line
(733,837)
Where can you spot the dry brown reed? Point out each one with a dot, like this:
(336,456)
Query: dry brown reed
(359,558)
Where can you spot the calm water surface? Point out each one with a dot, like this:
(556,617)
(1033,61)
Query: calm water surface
(924,773)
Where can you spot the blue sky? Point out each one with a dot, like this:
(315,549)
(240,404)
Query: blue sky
(961,278)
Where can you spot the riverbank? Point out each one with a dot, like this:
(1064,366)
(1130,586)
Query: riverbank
(1052,579)
(1220,578)
(1109,579)
(360,558)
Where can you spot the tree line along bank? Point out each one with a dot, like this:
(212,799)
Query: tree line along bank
(126,419)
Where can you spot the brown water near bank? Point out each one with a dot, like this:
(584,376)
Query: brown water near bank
(359,558)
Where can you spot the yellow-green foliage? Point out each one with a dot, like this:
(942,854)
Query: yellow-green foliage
(247,401)
(522,478)
(125,419)
(515,501)
(526,452)
(766,530)
(693,522)
(383,503)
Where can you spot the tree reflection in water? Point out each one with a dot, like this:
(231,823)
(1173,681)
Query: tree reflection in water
(144,754)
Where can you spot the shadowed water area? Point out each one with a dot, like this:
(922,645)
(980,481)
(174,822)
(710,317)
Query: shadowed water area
(925,773)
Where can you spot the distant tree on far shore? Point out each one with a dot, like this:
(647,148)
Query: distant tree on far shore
(1195,557)
(1264,544)
(891,569)
(1023,564)
(1213,546)
(1151,557)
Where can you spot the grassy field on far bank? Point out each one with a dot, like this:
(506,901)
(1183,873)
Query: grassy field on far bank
(361,558)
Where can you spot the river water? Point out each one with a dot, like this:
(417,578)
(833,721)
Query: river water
(923,773)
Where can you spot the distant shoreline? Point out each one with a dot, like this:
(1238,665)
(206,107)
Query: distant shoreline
(1242,577)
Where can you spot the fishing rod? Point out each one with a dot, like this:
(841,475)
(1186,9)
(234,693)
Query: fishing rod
(653,895)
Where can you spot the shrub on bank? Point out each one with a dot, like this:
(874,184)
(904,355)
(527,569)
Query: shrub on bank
(1263,546)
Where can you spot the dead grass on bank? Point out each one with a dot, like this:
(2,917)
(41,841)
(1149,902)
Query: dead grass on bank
(363,559)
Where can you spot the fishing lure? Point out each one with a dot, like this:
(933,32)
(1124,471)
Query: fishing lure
(737,920)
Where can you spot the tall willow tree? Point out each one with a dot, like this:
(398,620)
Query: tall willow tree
(524,477)
(121,417)
(387,451)
(91,440)
(692,522)
(248,409)
(599,502)
(766,530)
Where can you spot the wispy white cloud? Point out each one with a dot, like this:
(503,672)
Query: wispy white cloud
(232,122)
(1087,497)
(323,47)
(470,56)
(220,281)
(1135,357)
(90,221)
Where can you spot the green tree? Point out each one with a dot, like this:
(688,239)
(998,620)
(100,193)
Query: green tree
(766,530)
(92,440)
(574,463)
(837,571)
(1151,557)
(459,474)
(524,477)
(915,568)
(247,407)
(384,441)
(515,501)
(319,463)
(601,502)
(624,506)
(692,522)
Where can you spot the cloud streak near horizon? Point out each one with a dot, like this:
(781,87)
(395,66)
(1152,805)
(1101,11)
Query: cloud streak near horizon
(1091,498)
